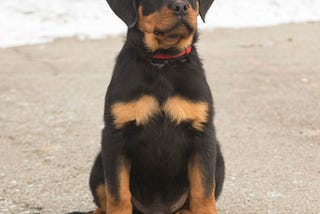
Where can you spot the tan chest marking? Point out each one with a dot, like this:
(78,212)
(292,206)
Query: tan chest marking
(140,110)
(180,110)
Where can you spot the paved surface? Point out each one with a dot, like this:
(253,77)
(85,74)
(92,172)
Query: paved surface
(266,85)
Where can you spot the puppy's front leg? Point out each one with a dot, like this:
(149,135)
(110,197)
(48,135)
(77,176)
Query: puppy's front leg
(119,203)
(202,199)
(201,173)
(117,175)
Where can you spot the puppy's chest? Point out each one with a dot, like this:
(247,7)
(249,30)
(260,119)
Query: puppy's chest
(144,109)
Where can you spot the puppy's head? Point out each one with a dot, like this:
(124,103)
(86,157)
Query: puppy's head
(165,23)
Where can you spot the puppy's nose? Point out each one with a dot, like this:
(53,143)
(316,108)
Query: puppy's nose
(180,8)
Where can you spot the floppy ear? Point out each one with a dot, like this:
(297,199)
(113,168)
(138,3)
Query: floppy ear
(204,7)
(125,10)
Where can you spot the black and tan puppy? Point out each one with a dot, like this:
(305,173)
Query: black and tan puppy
(159,149)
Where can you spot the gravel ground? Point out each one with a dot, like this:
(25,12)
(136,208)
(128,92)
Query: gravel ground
(266,85)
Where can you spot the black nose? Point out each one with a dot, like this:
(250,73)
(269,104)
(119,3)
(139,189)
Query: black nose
(180,8)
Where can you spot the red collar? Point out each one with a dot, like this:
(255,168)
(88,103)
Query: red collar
(167,56)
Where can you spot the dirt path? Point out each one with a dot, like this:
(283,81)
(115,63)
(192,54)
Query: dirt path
(266,85)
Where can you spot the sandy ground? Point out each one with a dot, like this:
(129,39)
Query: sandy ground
(266,85)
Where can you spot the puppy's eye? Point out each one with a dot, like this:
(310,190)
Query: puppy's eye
(156,32)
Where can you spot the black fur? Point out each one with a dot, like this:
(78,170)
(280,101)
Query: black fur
(126,10)
(204,7)
(159,152)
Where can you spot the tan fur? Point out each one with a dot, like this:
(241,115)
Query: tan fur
(163,20)
(184,212)
(148,24)
(99,211)
(140,111)
(180,110)
(124,205)
(199,202)
(101,194)
(192,15)
(184,43)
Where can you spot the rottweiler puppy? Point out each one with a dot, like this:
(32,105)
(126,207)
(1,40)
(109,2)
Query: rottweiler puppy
(159,152)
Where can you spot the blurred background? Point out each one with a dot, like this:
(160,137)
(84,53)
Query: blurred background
(262,61)
(34,21)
